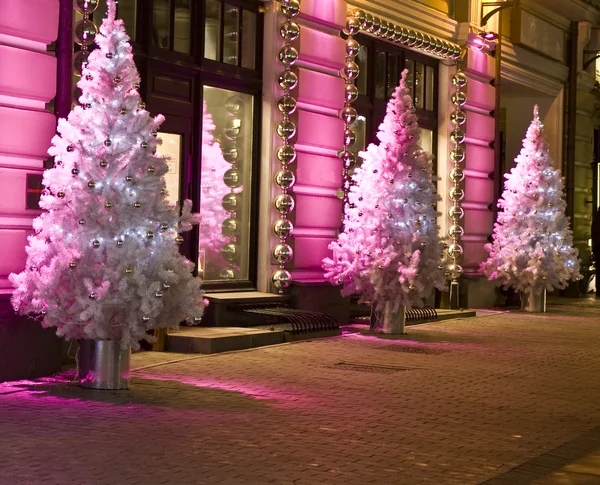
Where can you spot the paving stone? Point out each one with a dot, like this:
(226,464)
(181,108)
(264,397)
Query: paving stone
(503,399)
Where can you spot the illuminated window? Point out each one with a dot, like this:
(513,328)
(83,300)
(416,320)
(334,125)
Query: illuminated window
(171,149)
(226,184)
(378,78)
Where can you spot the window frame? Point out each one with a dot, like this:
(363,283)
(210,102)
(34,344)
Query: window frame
(201,72)
(373,108)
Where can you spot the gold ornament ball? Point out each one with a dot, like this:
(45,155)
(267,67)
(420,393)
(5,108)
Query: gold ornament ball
(96,243)
(128,270)
(179,239)
(108,204)
(151,169)
(137,204)
(281,279)
(103,164)
(72,265)
(149,234)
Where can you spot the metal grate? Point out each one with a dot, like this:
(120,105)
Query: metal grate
(414,349)
(426,313)
(301,321)
(373,368)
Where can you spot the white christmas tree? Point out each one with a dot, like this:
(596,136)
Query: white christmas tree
(389,250)
(214,189)
(104,260)
(532,246)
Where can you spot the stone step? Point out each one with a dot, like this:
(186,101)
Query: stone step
(219,311)
(448,314)
(212,340)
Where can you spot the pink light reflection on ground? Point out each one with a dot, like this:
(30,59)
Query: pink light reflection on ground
(282,396)
(409,341)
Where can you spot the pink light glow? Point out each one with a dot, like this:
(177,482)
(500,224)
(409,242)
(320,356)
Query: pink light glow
(13,242)
(320,130)
(27,74)
(480,127)
(321,48)
(482,63)
(328,12)
(479,190)
(279,396)
(479,158)
(320,89)
(481,95)
(26,132)
(328,210)
(310,251)
(35,21)
(318,170)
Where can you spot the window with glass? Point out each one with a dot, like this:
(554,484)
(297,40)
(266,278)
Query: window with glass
(200,62)
(381,65)
(225,184)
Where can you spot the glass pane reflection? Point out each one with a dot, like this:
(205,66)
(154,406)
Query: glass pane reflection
(161,25)
(249,39)
(181,29)
(171,148)
(380,75)
(430,84)
(212,35)
(419,85)
(363,76)
(426,141)
(226,171)
(231,34)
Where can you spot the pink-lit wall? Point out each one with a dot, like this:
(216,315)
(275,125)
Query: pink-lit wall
(320,134)
(480,129)
(27,83)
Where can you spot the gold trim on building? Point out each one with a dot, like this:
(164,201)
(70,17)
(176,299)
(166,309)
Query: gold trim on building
(407,37)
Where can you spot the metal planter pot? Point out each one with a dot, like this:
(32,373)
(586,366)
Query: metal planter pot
(534,300)
(387,321)
(103,364)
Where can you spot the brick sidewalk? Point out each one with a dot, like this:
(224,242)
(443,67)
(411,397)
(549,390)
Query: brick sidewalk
(501,397)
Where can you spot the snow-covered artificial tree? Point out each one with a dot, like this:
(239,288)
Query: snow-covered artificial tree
(104,261)
(532,246)
(213,187)
(389,249)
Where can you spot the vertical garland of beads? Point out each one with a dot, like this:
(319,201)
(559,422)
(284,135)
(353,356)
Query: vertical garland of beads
(286,153)
(85,32)
(232,179)
(348,114)
(456,193)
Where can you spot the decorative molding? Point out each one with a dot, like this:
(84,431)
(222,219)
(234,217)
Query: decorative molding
(568,9)
(372,24)
(518,64)
(410,14)
(585,81)
(538,34)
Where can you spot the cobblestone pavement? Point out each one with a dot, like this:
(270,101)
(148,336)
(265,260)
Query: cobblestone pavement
(502,399)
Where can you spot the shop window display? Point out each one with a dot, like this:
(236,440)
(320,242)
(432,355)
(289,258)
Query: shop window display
(225,184)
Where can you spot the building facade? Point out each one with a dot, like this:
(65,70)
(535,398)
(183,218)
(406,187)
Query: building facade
(257,117)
